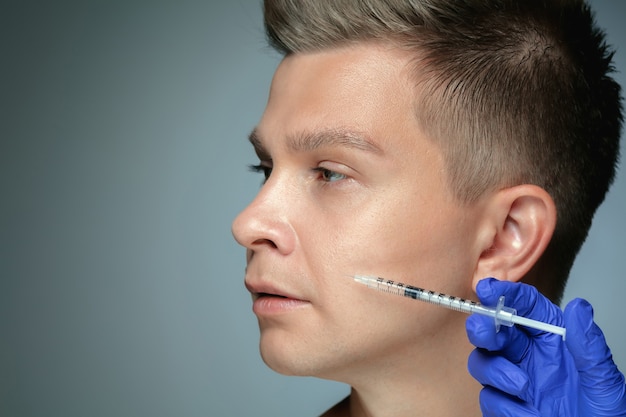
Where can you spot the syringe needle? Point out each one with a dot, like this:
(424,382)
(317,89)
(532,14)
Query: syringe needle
(501,314)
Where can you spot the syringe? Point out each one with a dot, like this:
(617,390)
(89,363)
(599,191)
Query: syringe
(502,315)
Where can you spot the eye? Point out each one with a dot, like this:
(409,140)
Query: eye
(328,175)
(264,168)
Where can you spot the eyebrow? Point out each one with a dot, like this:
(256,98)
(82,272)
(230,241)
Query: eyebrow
(310,141)
(255,140)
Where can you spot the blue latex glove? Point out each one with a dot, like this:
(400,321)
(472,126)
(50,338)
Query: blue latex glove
(528,372)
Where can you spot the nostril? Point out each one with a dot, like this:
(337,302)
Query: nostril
(261,242)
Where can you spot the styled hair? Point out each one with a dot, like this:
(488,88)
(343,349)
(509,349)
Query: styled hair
(513,91)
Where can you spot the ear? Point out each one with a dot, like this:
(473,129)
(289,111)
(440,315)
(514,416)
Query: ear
(518,226)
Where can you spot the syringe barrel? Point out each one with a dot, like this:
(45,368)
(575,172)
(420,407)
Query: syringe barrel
(502,315)
(444,300)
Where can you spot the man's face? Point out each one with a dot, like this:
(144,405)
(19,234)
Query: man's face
(354,187)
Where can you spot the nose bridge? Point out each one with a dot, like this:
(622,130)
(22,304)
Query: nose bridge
(265,222)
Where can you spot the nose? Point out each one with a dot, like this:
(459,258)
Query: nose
(265,223)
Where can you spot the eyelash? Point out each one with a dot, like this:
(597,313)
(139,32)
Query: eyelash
(261,169)
(323,172)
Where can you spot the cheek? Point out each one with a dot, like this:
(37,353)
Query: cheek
(396,233)
(423,245)
(366,241)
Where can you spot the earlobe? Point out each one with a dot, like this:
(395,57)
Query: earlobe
(521,220)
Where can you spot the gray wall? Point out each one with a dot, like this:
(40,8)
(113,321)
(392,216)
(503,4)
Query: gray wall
(123,157)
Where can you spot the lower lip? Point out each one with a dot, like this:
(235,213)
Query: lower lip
(268,304)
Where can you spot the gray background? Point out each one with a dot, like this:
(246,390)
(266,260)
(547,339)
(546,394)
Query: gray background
(123,157)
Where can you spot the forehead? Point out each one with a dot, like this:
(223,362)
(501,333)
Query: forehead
(364,88)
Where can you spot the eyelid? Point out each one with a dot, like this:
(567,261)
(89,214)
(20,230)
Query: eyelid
(345,171)
(322,171)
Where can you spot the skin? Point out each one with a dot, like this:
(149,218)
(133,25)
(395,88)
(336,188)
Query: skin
(353,186)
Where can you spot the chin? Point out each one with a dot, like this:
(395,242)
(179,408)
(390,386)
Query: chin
(285,363)
(294,356)
(307,360)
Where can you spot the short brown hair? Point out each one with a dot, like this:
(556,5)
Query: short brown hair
(514,92)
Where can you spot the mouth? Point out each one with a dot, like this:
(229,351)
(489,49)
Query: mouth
(267,300)
(266,290)
(266,295)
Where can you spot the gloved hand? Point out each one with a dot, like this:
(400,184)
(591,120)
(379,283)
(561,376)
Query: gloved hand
(528,372)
